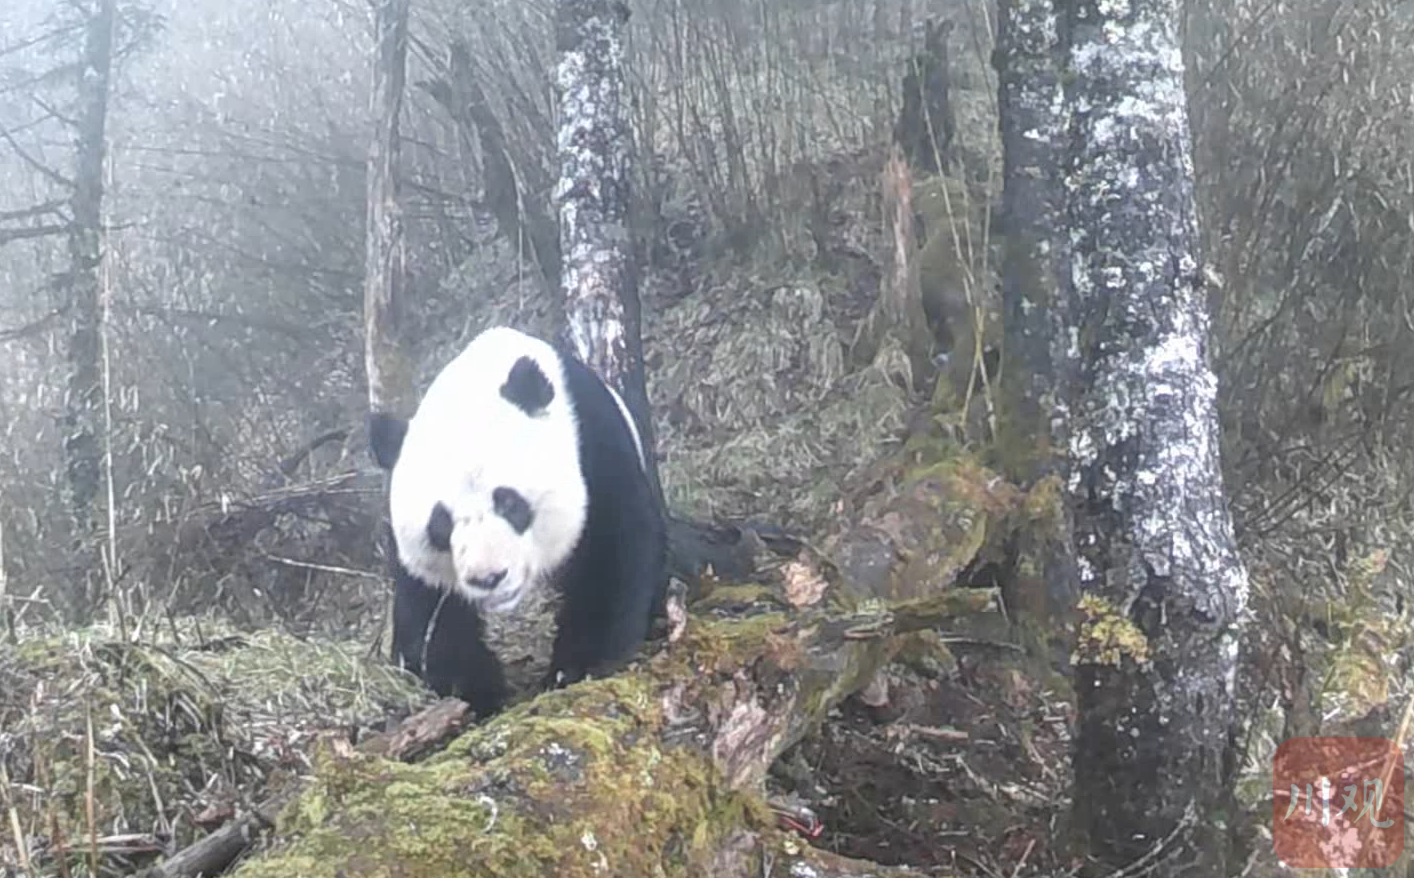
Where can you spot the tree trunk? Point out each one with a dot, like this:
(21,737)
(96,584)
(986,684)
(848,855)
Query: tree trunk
(389,375)
(1031,41)
(83,399)
(386,362)
(1036,287)
(600,278)
(1152,528)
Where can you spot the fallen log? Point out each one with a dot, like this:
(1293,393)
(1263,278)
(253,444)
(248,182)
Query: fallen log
(657,768)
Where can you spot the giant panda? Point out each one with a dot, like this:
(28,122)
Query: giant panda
(521,477)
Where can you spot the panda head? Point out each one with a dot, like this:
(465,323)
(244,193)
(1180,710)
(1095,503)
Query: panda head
(486,495)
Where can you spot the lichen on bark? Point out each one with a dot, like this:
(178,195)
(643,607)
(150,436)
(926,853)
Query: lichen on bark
(594,137)
(592,192)
(1153,532)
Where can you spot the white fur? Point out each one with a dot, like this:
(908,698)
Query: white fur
(464,441)
(632,427)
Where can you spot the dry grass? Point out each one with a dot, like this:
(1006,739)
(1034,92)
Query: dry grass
(114,751)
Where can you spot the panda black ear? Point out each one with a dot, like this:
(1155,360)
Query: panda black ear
(385,438)
(527,388)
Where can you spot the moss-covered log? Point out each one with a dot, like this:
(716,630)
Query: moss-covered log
(652,772)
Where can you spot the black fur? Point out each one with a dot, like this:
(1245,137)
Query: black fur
(612,580)
(439,528)
(511,506)
(527,388)
(610,584)
(385,437)
(459,663)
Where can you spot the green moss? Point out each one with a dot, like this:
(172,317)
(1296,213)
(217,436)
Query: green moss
(925,653)
(1107,636)
(554,803)
(736,598)
(544,788)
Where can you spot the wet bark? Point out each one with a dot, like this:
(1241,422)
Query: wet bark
(1152,529)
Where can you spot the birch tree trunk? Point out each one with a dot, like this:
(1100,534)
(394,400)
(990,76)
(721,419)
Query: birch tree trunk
(1152,529)
(83,398)
(599,275)
(389,378)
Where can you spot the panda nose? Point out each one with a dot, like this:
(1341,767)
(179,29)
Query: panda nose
(487,582)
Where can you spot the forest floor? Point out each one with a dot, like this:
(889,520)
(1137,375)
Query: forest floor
(965,770)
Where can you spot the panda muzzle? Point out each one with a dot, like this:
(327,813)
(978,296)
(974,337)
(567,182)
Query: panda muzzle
(486,582)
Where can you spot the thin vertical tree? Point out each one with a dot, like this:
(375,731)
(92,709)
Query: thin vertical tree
(83,398)
(386,366)
(1038,372)
(1165,589)
(1034,121)
(384,278)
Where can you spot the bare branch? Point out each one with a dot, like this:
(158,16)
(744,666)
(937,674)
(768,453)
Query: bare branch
(48,172)
(32,328)
(9,236)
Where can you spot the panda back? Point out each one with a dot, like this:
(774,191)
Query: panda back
(610,450)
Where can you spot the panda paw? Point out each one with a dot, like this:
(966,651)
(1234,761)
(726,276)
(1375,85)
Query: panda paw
(558,678)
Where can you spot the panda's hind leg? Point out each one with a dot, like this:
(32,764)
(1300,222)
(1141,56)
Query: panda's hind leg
(458,663)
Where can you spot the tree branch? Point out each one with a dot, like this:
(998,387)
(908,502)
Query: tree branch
(44,170)
(9,236)
(32,328)
(48,207)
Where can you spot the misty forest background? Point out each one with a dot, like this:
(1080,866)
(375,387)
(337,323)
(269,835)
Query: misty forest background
(221,473)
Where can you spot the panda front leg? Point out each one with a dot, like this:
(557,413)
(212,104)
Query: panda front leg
(455,661)
(606,610)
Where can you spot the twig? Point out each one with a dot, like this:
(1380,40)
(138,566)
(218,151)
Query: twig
(4,580)
(1399,738)
(16,829)
(325,568)
(90,806)
(105,319)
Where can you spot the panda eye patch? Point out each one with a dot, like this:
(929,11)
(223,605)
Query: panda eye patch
(439,528)
(511,506)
